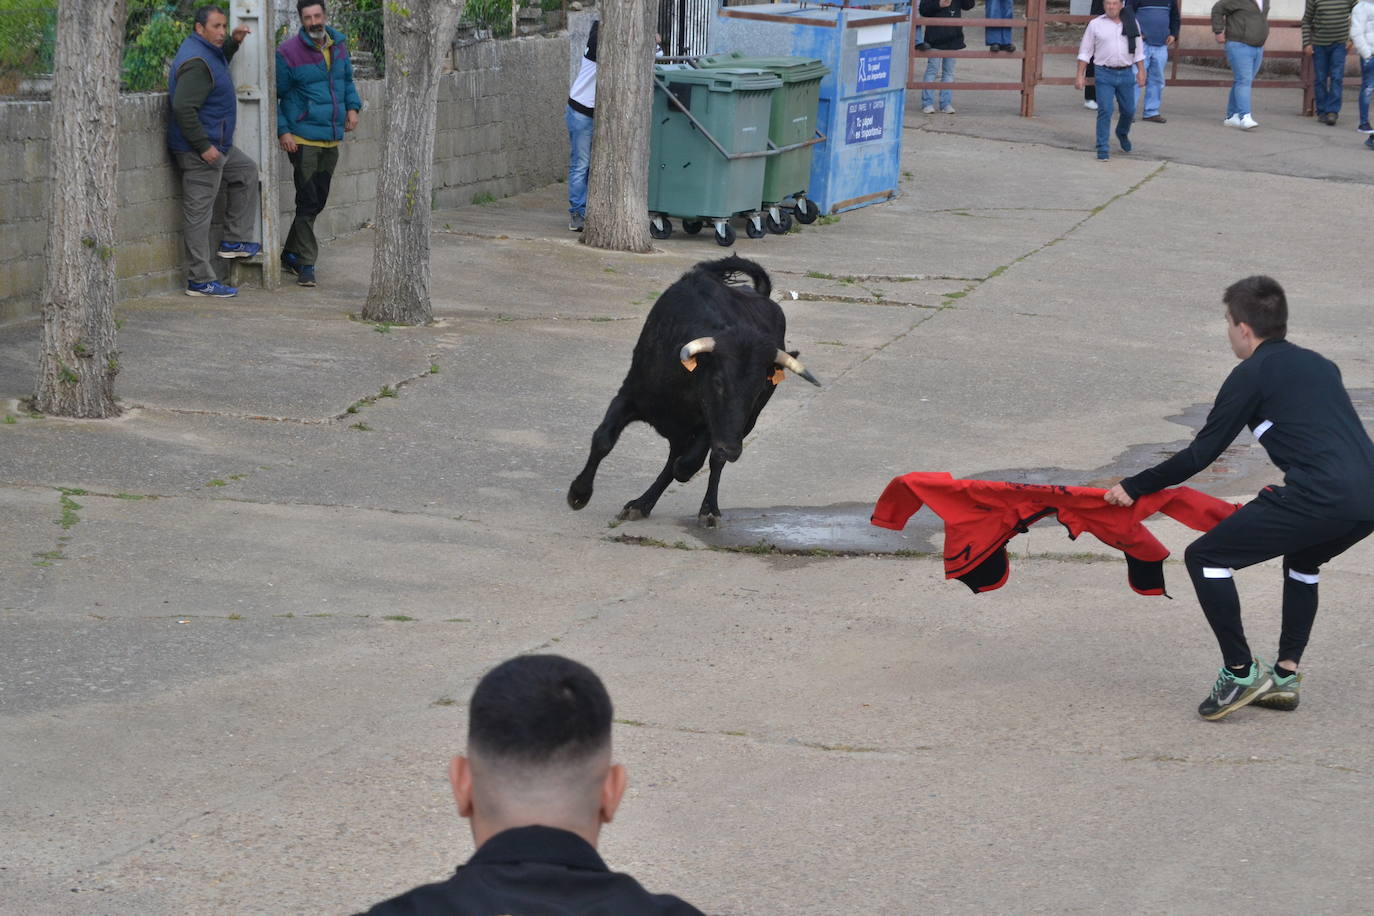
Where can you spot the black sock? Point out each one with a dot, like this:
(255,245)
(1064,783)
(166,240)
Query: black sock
(1240,673)
(1280,671)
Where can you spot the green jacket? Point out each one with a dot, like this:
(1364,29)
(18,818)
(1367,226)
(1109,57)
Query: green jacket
(1242,20)
(1326,22)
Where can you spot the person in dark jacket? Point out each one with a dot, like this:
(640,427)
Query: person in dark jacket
(1295,404)
(317,103)
(1158,21)
(1242,27)
(942,38)
(537,783)
(200,135)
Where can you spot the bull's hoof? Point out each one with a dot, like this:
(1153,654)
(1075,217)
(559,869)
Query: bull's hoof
(577,498)
(709,519)
(632,513)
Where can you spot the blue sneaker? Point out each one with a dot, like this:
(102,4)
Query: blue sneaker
(306,275)
(213,289)
(238,249)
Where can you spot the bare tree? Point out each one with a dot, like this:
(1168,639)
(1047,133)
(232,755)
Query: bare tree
(77,360)
(418,34)
(618,181)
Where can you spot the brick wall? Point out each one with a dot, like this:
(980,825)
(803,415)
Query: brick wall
(500,132)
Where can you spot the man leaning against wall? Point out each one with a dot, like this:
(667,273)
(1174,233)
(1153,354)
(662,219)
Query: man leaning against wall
(200,134)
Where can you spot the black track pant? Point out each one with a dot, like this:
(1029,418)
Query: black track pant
(1263,529)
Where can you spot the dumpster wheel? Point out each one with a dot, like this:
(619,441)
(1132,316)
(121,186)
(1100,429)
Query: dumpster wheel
(807,211)
(725,234)
(779,220)
(660,227)
(691,226)
(753,225)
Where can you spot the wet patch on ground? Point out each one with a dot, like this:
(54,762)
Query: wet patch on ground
(844,529)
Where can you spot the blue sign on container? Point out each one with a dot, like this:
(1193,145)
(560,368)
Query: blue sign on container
(875,65)
(864,120)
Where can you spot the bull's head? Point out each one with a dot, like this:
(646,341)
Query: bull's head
(734,378)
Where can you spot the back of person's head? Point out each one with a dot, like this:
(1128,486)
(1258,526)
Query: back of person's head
(539,747)
(1259,302)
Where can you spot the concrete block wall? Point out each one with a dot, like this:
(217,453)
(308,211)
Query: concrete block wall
(500,131)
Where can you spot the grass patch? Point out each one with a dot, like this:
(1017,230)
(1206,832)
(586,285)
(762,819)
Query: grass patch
(433,368)
(445,701)
(819,275)
(827,219)
(235,617)
(402,618)
(361,427)
(641,541)
(69,509)
(830,343)
(458,620)
(482,199)
(9,420)
(217,483)
(387,392)
(128,496)
(635,722)
(383,327)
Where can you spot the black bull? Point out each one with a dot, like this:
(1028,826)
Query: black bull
(707,361)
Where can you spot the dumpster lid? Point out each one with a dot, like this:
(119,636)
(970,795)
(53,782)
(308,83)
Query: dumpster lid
(722,79)
(789,69)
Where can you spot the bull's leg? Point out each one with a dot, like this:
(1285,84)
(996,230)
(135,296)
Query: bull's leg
(691,460)
(639,508)
(708,516)
(619,415)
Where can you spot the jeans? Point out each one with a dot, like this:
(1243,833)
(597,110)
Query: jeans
(1114,87)
(998,9)
(579,160)
(1366,87)
(1245,62)
(1328,73)
(312,169)
(933,69)
(1156,59)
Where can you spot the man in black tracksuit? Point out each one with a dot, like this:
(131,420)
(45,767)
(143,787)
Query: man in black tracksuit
(1294,403)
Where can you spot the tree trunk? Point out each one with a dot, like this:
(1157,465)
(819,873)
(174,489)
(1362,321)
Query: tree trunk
(78,360)
(618,181)
(418,35)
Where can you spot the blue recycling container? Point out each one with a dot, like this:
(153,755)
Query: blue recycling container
(862,99)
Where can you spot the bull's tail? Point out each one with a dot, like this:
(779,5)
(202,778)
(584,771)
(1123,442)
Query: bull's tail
(726,268)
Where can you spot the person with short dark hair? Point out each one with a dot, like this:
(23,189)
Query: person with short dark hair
(537,784)
(1296,406)
(942,38)
(200,135)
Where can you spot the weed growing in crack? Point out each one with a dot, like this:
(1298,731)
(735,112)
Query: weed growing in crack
(401,618)
(361,427)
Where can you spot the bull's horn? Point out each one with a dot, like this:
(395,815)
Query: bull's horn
(700,345)
(788,361)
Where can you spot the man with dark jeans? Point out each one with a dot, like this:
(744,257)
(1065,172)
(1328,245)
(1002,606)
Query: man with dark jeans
(1295,404)
(537,784)
(317,104)
(1119,68)
(200,135)
(1325,31)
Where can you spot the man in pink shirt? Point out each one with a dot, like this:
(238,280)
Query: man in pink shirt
(1119,64)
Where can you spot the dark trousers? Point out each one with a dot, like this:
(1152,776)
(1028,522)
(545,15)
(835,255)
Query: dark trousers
(201,183)
(1263,529)
(312,169)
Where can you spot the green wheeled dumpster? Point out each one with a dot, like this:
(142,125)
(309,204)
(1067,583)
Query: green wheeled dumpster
(707,149)
(791,132)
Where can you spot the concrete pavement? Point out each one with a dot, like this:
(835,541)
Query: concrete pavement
(239,625)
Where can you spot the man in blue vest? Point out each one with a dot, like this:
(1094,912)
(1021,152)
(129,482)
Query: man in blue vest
(200,135)
(317,103)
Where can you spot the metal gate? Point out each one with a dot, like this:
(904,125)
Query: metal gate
(683,24)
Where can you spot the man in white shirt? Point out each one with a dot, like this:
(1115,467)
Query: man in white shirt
(1119,64)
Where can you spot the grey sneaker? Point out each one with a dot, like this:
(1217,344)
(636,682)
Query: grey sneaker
(1230,693)
(577,223)
(1282,693)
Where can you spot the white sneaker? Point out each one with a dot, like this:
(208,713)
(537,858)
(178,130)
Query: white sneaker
(1090,105)
(1247,122)
(1233,121)
(928,109)
(948,109)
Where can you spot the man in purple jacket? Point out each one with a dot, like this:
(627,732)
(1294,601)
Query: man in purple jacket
(316,104)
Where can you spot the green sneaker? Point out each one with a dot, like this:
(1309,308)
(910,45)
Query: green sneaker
(1230,693)
(1282,693)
